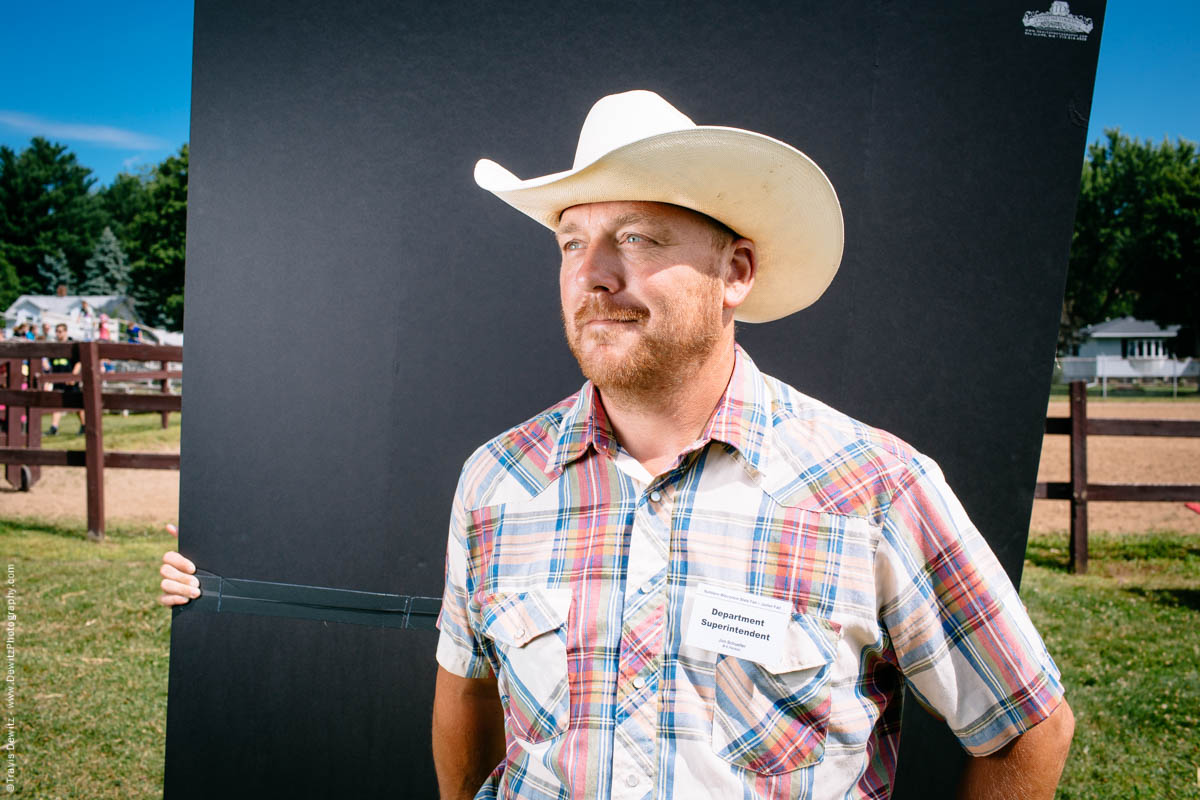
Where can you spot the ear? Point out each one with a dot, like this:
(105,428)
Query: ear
(741,266)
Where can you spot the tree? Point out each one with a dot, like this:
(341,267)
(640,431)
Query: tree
(10,285)
(1167,287)
(123,200)
(45,206)
(1137,230)
(159,232)
(107,271)
(55,272)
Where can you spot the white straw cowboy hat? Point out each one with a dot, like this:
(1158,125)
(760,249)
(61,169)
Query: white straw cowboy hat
(637,146)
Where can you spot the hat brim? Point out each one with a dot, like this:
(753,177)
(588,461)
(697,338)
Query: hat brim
(764,189)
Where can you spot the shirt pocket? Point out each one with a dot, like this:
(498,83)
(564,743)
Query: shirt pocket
(530,633)
(772,718)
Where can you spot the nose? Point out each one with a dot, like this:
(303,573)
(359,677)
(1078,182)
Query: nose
(599,269)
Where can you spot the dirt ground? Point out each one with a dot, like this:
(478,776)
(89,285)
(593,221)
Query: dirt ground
(131,496)
(151,497)
(1124,459)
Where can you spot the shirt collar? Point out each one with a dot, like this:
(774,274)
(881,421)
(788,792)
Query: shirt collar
(739,420)
(584,425)
(743,413)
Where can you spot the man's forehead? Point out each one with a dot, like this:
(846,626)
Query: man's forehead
(620,212)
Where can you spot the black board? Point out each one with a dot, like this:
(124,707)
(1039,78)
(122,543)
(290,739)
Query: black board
(360,316)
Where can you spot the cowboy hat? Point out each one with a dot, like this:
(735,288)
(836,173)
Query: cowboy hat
(637,146)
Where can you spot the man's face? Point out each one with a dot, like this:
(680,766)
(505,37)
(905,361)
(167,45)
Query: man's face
(643,292)
(60,333)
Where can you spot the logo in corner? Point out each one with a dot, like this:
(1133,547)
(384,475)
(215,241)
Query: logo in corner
(1057,23)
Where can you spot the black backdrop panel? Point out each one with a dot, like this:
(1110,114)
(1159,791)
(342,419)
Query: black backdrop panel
(361,316)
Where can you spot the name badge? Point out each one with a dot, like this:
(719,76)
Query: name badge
(738,624)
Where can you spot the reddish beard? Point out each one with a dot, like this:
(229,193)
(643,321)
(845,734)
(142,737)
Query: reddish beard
(671,342)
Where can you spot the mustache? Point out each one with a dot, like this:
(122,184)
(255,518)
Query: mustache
(599,307)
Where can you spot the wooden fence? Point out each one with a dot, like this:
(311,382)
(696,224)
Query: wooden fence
(23,386)
(1079,491)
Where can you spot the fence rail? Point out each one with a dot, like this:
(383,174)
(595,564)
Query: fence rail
(1079,491)
(23,393)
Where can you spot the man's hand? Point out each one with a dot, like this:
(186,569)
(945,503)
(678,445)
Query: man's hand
(1028,767)
(468,733)
(179,580)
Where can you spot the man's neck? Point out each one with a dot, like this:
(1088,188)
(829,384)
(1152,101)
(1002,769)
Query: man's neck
(656,425)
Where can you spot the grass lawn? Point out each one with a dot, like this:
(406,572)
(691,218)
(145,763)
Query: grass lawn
(91,662)
(1120,391)
(135,432)
(1127,639)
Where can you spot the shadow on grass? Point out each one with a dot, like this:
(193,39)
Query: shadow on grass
(1054,558)
(1051,552)
(1172,598)
(74,530)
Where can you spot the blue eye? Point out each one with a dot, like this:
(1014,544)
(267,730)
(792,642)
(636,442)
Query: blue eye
(633,237)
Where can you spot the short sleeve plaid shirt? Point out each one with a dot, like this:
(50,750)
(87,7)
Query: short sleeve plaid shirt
(571,572)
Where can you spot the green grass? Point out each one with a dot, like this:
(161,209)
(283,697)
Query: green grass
(1127,639)
(1188,392)
(136,432)
(91,661)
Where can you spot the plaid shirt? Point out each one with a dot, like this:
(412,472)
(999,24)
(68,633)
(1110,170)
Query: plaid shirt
(571,572)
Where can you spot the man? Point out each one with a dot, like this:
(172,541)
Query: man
(689,580)
(85,318)
(63,365)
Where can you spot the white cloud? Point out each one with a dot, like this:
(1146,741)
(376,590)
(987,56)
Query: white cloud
(102,135)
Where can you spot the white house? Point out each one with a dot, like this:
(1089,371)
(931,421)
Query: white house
(1127,349)
(1126,337)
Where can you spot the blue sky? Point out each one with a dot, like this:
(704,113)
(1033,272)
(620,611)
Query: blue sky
(112,80)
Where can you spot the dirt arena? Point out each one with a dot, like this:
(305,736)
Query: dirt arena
(151,497)
(1124,459)
(131,496)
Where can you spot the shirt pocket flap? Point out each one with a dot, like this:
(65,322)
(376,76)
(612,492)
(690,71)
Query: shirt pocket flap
(808,642)
(518,617)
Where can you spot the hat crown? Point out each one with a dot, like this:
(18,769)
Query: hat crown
(621,119)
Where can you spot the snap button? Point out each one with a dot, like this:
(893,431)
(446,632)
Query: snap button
(644,588)
(520,633)
(631,780)
(655,496)
(639,682)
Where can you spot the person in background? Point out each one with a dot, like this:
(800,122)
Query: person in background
(86,319)
(3,380)
(63,365)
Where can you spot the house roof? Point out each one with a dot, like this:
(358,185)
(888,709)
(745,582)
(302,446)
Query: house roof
(64,306)
(1126,327)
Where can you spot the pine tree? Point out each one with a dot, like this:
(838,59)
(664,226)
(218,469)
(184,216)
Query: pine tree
(45,205)
(10,285)
(107,271)
(55,272)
